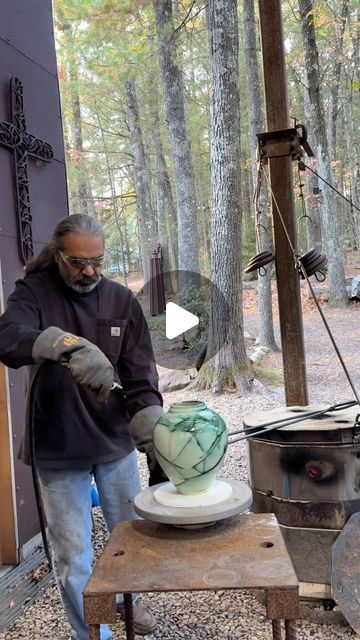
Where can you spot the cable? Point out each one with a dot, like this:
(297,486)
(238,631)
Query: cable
(300,266)
(279,212)
(331,186)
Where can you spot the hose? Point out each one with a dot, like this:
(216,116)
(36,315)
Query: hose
(35,477)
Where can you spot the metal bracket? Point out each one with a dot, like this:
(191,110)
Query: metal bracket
(284,142)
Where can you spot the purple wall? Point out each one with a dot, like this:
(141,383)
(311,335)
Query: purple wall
(27,50)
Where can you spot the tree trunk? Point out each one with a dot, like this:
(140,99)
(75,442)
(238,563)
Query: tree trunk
(256,125)
(166,211)
(204,233)
(142,179)
(230,365)
(352,129)
(180,146)
(354,171)
(82,201)
(312,189)
(127,245)
(111,181)
(90,201)
(336,275)
(122,245)
(335,80)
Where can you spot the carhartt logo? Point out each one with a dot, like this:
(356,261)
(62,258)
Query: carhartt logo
(115,331)
(70,340)
(67,339)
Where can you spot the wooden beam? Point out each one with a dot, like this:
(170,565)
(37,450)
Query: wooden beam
(8,546)
(8,551)
(281,180)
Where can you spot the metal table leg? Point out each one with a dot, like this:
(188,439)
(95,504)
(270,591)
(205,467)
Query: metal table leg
(94,632)
(290,630)
(129,617)
(276,629)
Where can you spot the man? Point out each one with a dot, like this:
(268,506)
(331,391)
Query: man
(79,332)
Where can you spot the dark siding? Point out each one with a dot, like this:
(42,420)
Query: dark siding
(27,51)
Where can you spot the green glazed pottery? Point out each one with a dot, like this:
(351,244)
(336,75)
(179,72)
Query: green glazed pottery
(190,443)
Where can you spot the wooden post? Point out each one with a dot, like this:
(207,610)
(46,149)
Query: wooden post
(8,551)
(8,546)
(288,282)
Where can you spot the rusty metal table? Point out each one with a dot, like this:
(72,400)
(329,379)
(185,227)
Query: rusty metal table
(243,552)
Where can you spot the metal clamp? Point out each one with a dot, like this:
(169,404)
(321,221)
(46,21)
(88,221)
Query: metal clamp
(284,142)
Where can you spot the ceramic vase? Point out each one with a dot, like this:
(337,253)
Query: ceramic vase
(190,443)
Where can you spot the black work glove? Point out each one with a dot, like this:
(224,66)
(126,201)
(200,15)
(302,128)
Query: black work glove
(156,474)
(88,365)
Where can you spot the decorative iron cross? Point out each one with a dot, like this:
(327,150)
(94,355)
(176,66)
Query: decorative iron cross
(14,136)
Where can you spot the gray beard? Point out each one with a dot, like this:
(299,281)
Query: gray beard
(76,286)
(81,288)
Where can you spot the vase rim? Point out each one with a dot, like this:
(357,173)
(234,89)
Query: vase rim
(187,405)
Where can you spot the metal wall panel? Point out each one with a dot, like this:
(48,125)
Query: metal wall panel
(27,26)
(47,195)
(49,198)
(25,508)
(27,51)
(41,97)
(8,196)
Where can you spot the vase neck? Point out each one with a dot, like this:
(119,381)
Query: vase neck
(188,406)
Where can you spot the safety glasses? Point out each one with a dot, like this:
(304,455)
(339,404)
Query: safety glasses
(82,263)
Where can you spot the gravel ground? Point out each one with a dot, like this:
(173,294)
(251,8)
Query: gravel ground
(227,615)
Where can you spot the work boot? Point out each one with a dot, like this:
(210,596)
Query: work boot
(144,621)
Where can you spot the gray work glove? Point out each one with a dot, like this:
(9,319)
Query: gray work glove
(141,428)
(88,365)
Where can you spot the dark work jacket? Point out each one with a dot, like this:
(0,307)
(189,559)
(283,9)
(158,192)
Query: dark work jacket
(71,429)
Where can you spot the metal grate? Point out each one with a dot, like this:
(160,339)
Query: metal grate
(22,585)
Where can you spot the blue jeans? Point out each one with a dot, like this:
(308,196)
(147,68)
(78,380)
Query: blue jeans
(66,496)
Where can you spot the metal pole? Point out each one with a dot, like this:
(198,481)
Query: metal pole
(276,629)
(288,282)
(129,616)
(290,630)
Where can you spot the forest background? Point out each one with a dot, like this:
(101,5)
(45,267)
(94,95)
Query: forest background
(150,91)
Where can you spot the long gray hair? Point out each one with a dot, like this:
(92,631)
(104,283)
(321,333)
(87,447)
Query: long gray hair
(77,223)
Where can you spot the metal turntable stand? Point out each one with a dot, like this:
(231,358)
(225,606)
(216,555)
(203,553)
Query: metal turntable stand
(238,551)
(162,503)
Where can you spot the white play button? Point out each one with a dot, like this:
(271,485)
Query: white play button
(196,293)
(178,320)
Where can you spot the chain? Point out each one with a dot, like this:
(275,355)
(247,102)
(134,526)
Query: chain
(259,179)
(301,196)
